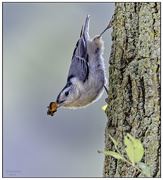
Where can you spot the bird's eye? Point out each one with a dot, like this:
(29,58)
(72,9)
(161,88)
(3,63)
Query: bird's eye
(66,93)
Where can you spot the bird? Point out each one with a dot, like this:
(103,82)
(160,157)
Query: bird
(86,77)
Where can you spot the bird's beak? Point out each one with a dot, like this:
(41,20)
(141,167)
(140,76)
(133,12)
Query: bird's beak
(60,104)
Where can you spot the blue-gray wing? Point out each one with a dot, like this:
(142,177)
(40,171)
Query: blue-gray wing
(79,64)
(79,68)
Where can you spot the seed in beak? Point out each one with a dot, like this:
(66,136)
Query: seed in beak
(52,108)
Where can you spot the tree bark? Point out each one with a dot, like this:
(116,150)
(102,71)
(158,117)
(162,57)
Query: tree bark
(134,86)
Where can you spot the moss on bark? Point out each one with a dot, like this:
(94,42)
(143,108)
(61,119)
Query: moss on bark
(134,86)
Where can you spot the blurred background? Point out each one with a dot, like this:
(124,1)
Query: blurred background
(38,42)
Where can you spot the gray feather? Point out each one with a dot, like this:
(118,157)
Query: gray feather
(79,64)
(79,68)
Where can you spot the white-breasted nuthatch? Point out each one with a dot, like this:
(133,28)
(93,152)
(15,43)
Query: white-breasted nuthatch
(86,77)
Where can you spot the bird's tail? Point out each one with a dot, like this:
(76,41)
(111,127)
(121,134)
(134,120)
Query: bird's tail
(81,46)
(86,29)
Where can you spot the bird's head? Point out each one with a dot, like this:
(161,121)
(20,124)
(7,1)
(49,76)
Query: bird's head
(68,96)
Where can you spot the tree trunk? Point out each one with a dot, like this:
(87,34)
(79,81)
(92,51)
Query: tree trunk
(134,86)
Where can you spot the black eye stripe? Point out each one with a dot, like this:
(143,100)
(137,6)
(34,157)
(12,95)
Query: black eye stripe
(67,85)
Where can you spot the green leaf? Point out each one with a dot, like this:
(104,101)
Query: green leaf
(129,149)
(112,153)
(104,107)
(114,141)
(144,168)
(134,149)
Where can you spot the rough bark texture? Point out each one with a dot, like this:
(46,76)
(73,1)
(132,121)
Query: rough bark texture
(134,86)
